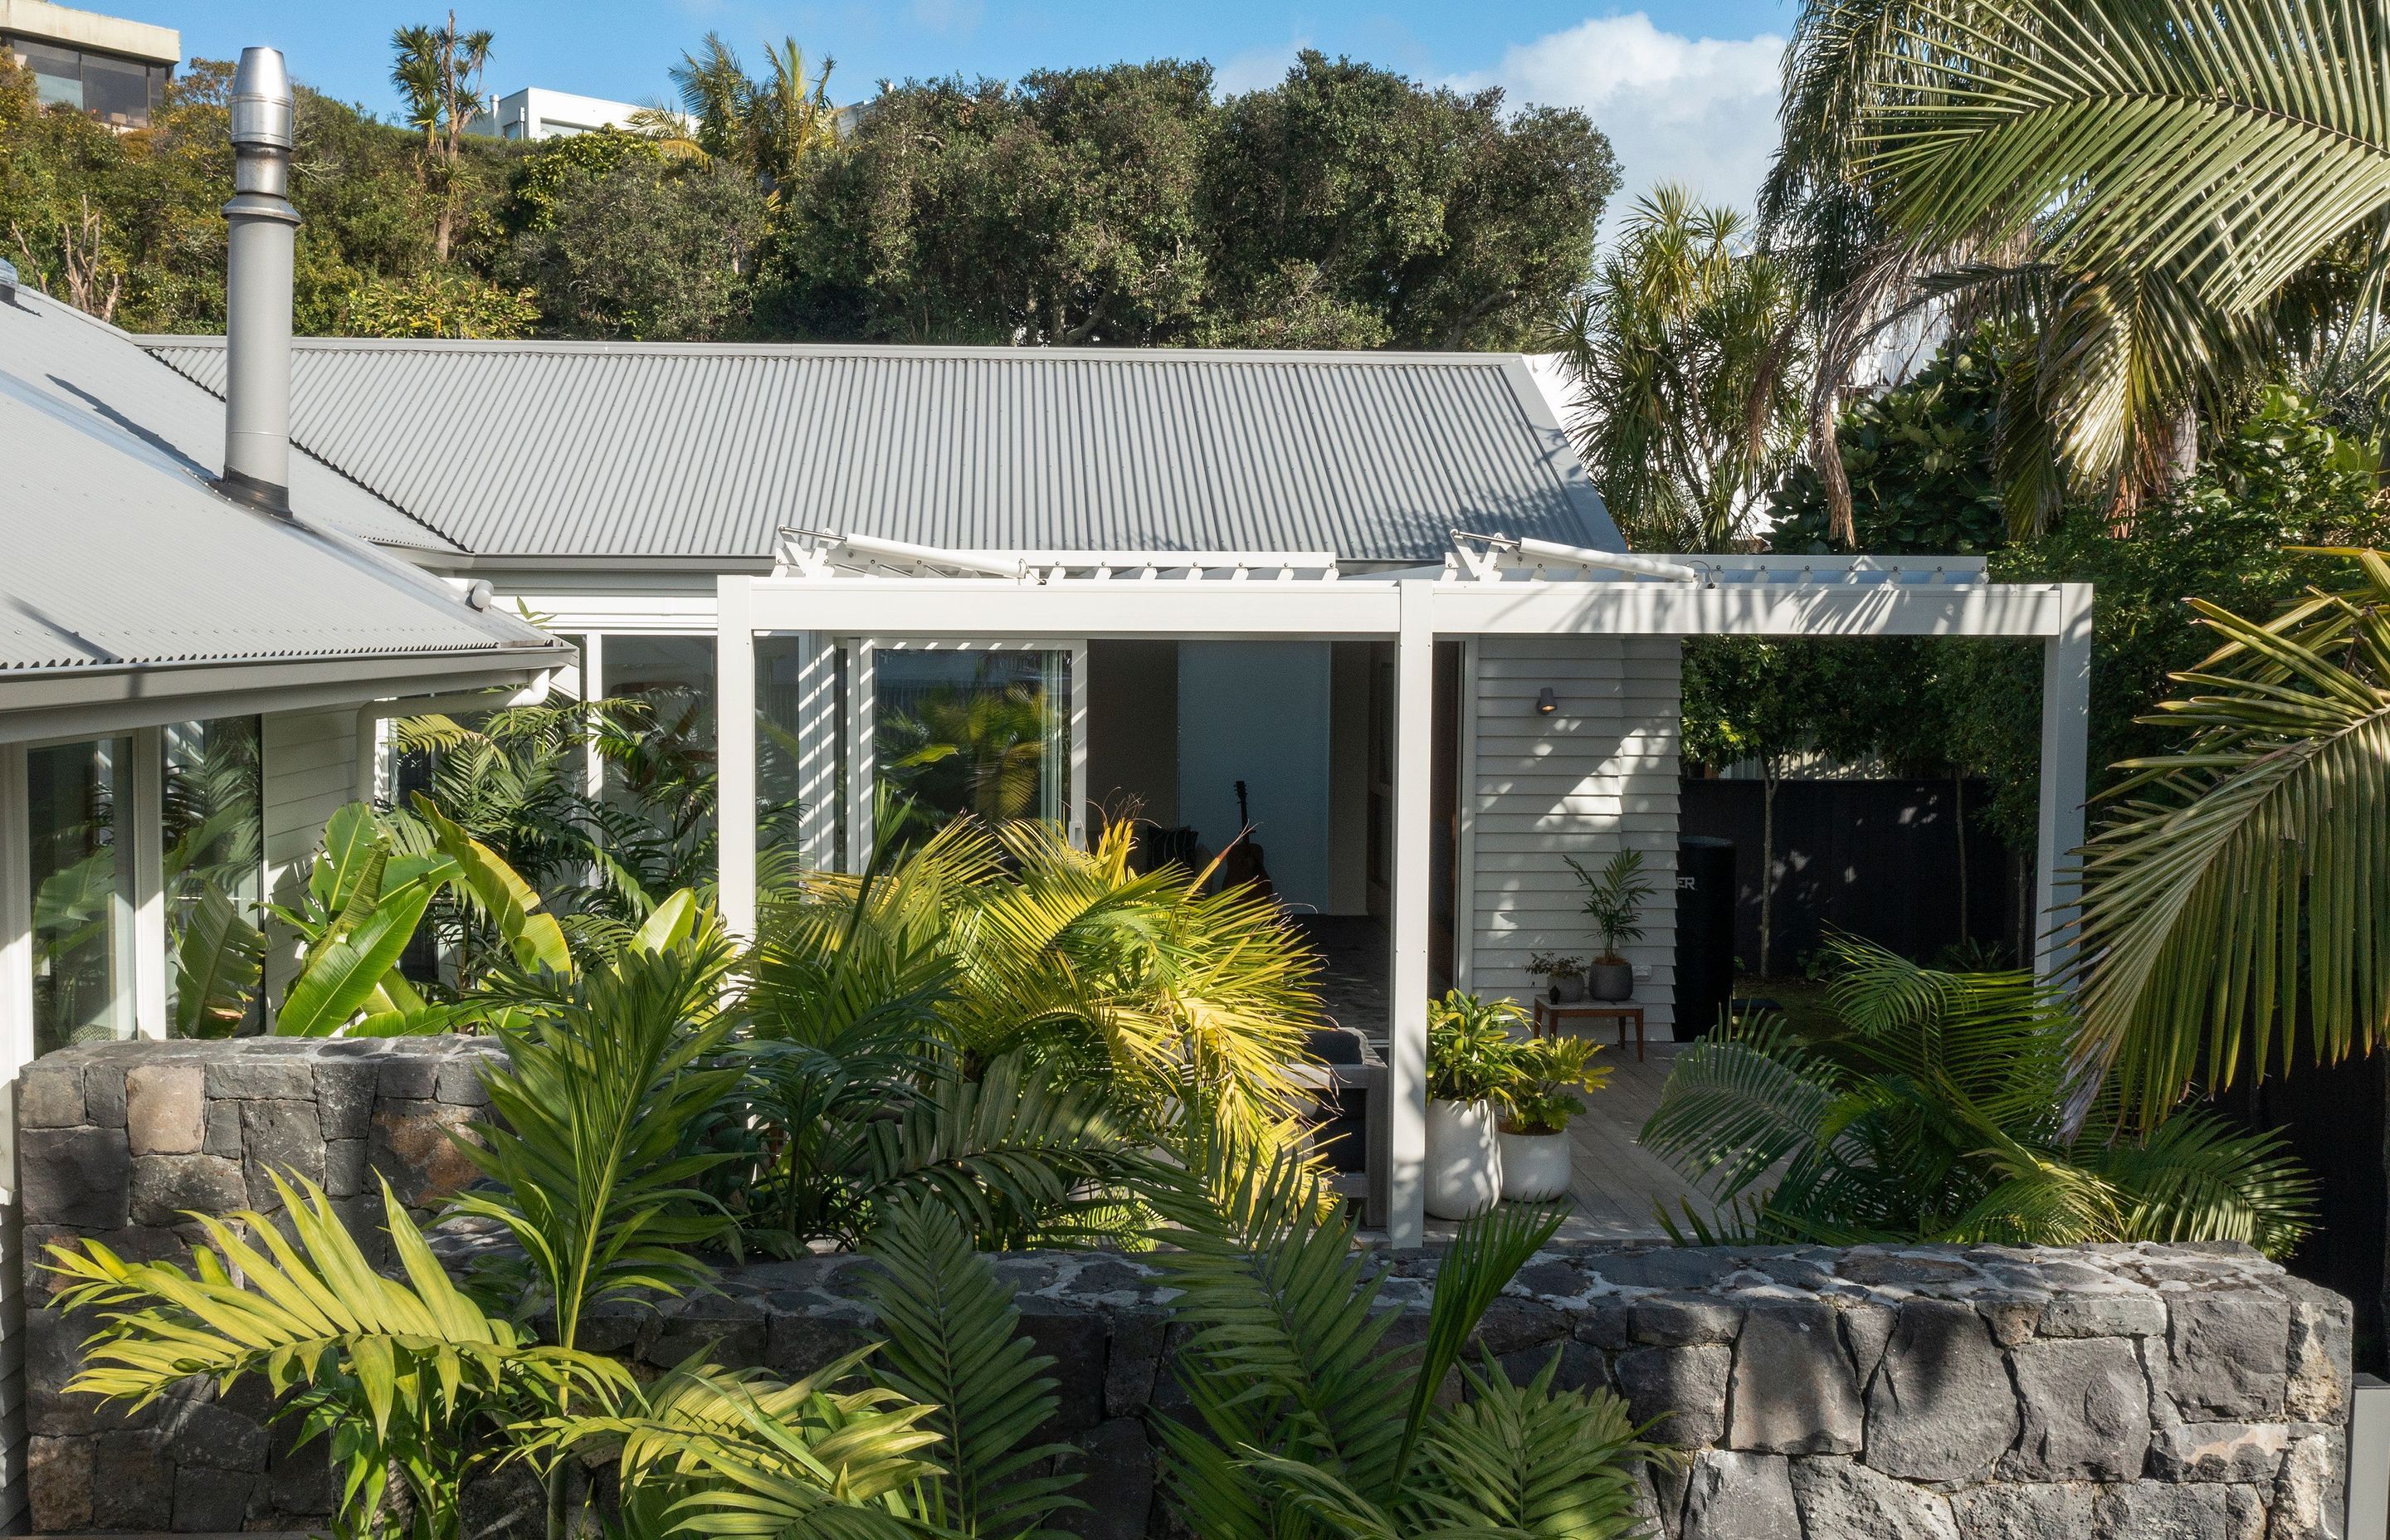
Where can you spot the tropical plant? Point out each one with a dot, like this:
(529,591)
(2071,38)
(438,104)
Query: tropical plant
(1468,1046)
(1554,965)
(1615,900)
(1685,357)
(2143,186)
(767,127)
(1941,1113)
(369,889)
(2231,898)
(438,69)
(1303,1421)
(1545,1075)
(406,1375)
(955,1347)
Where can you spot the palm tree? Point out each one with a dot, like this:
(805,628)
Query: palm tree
(1685,351)
(439,71)
(2233,896)
(1941,1115)
(2175,198)
(767,127)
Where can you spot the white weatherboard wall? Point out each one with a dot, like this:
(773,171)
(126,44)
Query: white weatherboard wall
(1600,772)
(310,771)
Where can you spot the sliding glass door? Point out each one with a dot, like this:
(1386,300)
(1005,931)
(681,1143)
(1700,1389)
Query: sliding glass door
(972,731)
(79,806)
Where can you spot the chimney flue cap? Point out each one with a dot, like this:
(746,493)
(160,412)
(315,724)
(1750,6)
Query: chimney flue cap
(263,103)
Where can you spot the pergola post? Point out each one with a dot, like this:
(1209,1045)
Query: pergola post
(2065,751)
(1407,1030)
(734,668)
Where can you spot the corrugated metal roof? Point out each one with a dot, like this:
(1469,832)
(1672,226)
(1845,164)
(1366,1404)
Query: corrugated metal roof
(528,449)
(115,553)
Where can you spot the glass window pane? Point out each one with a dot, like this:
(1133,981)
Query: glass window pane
(117,90)
(667,772)
(214,841)
(980,732)
(57,72)
(77,794)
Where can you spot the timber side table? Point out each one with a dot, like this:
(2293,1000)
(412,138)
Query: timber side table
(1549,1016)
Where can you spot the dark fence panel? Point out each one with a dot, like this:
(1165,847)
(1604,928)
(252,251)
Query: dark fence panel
(1878,858)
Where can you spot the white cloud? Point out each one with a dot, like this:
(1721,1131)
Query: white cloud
(1696,111)
(1255,68)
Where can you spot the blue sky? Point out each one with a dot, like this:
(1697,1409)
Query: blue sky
(1685,90)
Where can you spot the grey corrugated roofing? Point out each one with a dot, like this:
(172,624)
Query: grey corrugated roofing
(115,552)
(560,449)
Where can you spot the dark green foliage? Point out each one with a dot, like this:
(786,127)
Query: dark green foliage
(644,250)
(1918,456)
(1939,1113)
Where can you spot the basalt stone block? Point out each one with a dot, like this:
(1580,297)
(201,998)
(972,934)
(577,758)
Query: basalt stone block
(1131,1361)
(1580,1368)
(2247,1452)
(103,1094)
(1074,1339)
(347,1171)
(1116,1461)
(1509,1325)
(2322,1338)
(1940,1408)
(1739,1496)
(2309,1499)
(133,1485)
(2025,1512)
(209,1501)
(59,1476)
(77,1177)
(409,1077)
(506,1503)
(204,1433)
(2228,1355)
(2158,1510)
(795,1346)
(2086,1411)
(1793,1390)
(262,1076)
(345,1089)
(1678,1322)
(1843,1499)
(280,1138)
(164,1186)
(411,1146)
(223,1130)
(1685,1387)
(459,1081)
(731,1331)
(2102,1314)
(50,1096)
(166,1108)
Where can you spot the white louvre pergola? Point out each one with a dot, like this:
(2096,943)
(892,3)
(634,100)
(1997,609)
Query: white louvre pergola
(850,592)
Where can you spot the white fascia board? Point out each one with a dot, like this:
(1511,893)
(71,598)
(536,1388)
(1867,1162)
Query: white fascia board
(121,702)
(985,607)
(977,608)
(1682,609)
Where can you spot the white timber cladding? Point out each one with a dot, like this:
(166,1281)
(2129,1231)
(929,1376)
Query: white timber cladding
(310,770)
(16,1051)
(1597,775)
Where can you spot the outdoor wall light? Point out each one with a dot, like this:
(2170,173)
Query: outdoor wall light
(1546,703)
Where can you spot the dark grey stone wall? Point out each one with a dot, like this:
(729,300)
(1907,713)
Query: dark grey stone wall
(2110,1393)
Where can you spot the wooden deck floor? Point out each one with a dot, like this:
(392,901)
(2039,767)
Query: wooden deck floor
(1618,1183)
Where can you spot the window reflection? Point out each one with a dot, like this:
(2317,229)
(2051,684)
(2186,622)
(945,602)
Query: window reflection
(78,795)
(214,836)
(664,771)
(980,732)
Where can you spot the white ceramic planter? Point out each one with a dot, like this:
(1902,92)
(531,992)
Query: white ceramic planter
(1464,1159)
(1535,1167)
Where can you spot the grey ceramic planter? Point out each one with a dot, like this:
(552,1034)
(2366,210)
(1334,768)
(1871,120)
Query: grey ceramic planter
(1610,981)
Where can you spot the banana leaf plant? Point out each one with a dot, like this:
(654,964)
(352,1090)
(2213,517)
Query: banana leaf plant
(366,897)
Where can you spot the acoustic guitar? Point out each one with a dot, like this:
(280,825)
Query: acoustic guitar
(1245,862)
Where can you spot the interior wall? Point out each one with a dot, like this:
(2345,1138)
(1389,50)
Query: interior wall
(1259,713)
(1348,778)
(1133,729)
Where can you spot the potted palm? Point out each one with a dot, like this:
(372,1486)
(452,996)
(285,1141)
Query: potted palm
(1615,900)
(1565,976)
(1546,1074)
(1470,1042)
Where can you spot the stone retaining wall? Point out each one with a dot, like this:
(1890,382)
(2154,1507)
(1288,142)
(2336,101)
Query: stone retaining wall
(2128,1392)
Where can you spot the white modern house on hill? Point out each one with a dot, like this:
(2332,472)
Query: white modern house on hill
(1367,603)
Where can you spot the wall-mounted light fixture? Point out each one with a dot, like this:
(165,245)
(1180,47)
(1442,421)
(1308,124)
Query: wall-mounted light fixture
(1547,702)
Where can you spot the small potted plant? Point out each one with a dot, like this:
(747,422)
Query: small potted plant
(1615,900)
(1566,976)
(1469,1043)
(1546,1074)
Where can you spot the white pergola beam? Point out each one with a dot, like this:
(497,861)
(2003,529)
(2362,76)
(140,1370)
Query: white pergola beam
(734,668)
(2065,755)
(1406,1171)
